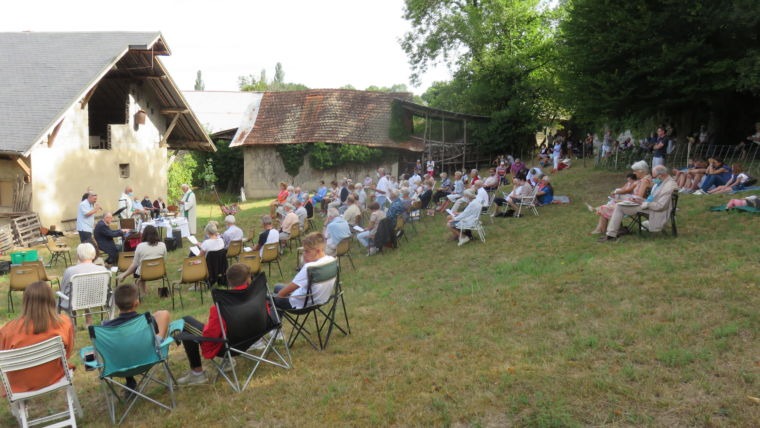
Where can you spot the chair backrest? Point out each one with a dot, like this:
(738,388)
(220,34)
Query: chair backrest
(673,204)
(399,223)
(40,268)
(234,248)
(322,278)
(47,352)
(125,260)
(194,269)
(126,349)
(90,290)
(216,263)
(245,314)
(343,247)
(295,232)
(22,276)
(252,260)
(270,253)
(152,269)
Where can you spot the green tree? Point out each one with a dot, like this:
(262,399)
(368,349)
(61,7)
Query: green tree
(199,85)
(502,54)
(685,61)
(180,172)
(227,164)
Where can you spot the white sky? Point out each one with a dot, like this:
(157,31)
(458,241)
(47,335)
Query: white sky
(321,44)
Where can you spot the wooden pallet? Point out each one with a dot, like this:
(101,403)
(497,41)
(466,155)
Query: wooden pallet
(6,240)
(26,229)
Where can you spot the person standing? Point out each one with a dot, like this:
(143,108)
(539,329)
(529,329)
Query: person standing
(382,188)
(188,207)
(86,216)
(660,147)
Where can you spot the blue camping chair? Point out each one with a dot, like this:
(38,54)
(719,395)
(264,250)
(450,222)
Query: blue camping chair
(144,354)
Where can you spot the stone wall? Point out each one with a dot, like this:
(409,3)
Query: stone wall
(263,171)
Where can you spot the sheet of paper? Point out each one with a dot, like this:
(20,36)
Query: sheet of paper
(195,250)
(448,210)
(192,240)
(247,249)
(358,228)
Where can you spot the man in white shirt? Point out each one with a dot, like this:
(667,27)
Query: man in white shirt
(293,295)
(414,181)
(268,236)
(126,202)
(466,219)
(382,188)
(481,195)
(86,217)
(233,233)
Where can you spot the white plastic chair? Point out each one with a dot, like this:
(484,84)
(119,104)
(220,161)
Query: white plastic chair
(477,227)
(528,201)
(90,291)
(27,358)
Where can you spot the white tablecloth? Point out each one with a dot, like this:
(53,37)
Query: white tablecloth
(176,223)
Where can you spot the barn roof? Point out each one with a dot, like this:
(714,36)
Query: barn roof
(44,74)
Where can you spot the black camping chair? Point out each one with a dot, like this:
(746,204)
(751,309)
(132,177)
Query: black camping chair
(248,316)
(217,268)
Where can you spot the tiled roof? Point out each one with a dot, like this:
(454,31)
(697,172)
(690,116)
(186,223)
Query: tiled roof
(43,74)
(338,116)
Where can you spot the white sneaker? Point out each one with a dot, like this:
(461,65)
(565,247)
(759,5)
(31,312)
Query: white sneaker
(463,240)
(698,192)
(279,336)
(192,378)
(645,224)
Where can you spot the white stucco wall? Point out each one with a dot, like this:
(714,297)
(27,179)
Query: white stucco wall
(263,170)
(61,173)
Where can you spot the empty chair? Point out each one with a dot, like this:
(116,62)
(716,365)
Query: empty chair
(43,273)
(216,263)
(295,236)
(20,278)
(125,260)
(194,271)
(58,250)
(271,254)
(155,270)
(14,362)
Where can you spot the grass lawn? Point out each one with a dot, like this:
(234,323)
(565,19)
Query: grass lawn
(539,326)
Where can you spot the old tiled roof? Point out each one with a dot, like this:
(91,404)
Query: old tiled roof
(44,74)
(338,116)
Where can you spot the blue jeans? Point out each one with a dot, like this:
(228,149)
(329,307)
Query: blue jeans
(364,238)
(381,199)
(712,180)
(281,302)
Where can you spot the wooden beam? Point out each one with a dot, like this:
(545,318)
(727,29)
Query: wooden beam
(24,166)
(169,130)
(52,135)
(87,96)
(174,110)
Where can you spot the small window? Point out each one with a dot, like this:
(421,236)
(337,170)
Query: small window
(124,170)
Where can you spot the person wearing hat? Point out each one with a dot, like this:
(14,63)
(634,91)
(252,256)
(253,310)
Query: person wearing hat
(232,233)
(468,218)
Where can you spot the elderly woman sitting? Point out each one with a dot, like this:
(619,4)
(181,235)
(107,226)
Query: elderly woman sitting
(282,196)
(635,190)
(468,218)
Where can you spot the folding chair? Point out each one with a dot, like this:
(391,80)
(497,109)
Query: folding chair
(125,260)
(130,350)
(246,319)
(398,230)
(323,280)
(528,201)
(295,235)
(271,254)
(154,270)
(50,352)
(90,292)
(638,219)
(476,227)
(20,278)
(58,250)
(344,250)
(43,273)
(252,260)
(251,237)
(194,271)
(234,249)
(415,214)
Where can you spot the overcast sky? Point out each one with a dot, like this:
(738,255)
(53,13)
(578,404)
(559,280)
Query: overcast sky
(321,44)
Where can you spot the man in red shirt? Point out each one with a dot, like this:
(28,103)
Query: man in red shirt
(238,277)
